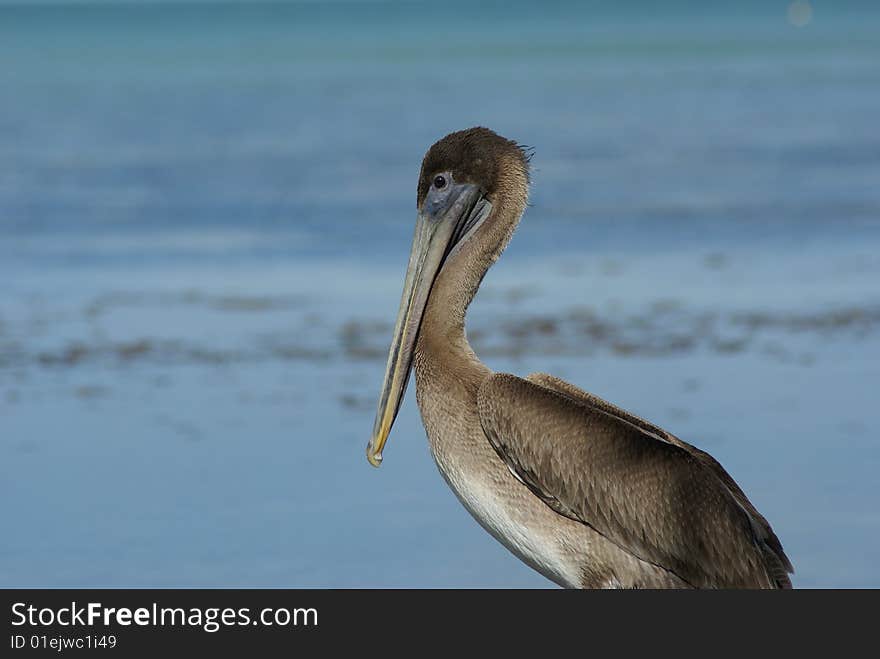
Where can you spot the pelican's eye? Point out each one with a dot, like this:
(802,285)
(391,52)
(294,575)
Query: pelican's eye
(439,182)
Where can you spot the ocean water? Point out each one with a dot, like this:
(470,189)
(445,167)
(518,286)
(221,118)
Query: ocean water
(205,214)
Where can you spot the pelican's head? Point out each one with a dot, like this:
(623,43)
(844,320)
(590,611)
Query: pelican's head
(464,177)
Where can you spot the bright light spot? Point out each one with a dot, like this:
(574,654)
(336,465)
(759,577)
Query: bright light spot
(800,13)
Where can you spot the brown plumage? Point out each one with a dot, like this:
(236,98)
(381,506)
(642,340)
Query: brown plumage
(584,492)
(655,499)
(478,155)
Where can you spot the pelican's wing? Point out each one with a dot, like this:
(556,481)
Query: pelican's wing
(649,495)
(779,561)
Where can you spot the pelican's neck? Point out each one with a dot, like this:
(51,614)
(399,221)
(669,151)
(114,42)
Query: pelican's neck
(442,338)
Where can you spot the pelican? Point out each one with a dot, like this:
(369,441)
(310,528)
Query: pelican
(584,492)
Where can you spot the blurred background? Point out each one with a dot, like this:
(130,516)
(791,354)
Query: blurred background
(205,215)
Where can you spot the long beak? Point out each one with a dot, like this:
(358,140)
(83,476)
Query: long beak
(440,225)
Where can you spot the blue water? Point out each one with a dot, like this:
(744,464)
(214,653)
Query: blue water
(198,202)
